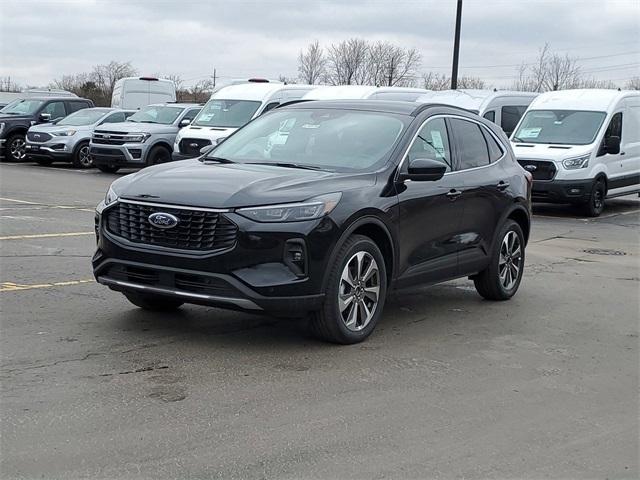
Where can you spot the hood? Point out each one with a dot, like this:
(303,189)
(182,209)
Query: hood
(4,118)
(193,183)
(542,151)
(51,127)
(206,133)
(135,127)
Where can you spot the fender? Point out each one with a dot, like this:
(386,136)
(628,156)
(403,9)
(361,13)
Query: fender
(366,220)
(516,206)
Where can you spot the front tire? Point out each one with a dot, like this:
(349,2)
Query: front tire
(595,205)
(108,168)
(15,150)
(355,293)
(501,279)
(81,157)
(158,154)
(154,303)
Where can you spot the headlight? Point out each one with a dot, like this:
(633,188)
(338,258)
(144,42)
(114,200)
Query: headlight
(110,197)
(293,212)
(136,137)
(65,133)
(577,162)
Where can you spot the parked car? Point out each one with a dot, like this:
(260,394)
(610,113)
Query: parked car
(230,108)
(68,139)
(502,107)
(133,93)
(363,197)
(355,92)
(7,97)
(19,115)
(145,139)
(581,146)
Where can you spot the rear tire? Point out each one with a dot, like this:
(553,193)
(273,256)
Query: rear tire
(158,154)
(501,279)
(355,294)
(155,303)
(81,157)
(108,168)
(595,205)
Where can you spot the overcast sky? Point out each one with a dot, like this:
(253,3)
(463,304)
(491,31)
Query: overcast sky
(43,39)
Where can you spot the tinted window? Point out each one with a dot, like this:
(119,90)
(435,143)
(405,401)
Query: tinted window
(75,106)
(114,118)
(490,115)
(191,114)
(432,142)
(271,106)
(615,126)
(55,109)
(511,115)
(495,152)
(472,146)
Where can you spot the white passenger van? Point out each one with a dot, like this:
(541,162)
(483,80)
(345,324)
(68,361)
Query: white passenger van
(362,92)
(132,93)
(504,108)
(229,109)
(581,146)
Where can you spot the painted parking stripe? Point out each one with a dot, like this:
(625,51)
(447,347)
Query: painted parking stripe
(66,207)
(46,235)
(14,287)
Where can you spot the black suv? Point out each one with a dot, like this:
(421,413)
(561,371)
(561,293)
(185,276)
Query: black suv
(18,116)
(322,208)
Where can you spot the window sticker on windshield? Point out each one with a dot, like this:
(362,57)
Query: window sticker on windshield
(311,125)
(530,132)
(206,117)
(216,106)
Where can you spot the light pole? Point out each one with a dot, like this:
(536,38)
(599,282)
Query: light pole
(456,48)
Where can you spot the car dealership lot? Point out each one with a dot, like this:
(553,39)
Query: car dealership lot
(448,385)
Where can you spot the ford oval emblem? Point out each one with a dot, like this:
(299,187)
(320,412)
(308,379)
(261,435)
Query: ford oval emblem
(163,220)
(530,168)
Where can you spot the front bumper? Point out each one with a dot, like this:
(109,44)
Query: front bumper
(56,149)
(127,155)
(252,276)
(562,191)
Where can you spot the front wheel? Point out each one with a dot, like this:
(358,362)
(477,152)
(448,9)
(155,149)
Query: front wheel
(81,157)
(355,293)
(501,279)
(15,150)
(595,204)
(156,303)
(158,154)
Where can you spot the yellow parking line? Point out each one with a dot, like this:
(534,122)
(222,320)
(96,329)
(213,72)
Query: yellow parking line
(46,235)
(13,287)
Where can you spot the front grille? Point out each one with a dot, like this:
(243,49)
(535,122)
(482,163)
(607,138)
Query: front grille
(38,137)
(192,146)
(196,229)
(110,153)
(544,170)
(109,138)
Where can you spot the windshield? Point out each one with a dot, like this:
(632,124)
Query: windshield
(22,107)
(566,127)
(336,140)
(86,116)
(156,114)
(226,113)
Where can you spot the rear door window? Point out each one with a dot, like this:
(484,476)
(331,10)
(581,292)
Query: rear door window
(472,147)
(74,106)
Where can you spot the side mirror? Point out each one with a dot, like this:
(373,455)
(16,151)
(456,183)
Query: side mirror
(424,170)
(44,117)
(220,140)
(206,149)
(184,122)
(612,145)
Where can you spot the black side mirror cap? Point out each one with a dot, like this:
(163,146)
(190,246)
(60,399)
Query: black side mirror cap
(612,145)
(44,117)
(424,170)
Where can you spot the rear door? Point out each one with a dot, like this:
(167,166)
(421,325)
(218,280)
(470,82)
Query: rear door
(485,191)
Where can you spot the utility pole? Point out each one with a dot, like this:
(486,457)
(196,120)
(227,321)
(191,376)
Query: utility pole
(456,48)
(214,78)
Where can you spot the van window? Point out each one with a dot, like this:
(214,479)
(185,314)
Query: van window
(613,130)
(432,142)
(562,127)
(510,117)
(631,126)
(473,150)
(490,115)
(191,114)
(226,113)
(271,106)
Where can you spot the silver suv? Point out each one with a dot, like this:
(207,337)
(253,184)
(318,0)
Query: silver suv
(67,140)
(145,139)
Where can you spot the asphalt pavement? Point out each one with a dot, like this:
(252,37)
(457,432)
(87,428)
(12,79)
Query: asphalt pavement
(448,386)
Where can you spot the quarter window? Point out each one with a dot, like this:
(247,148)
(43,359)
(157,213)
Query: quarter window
(495,151)
(473,150)
(432,142)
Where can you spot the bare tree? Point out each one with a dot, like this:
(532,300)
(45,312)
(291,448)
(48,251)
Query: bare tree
(435,81)
(106,76)
(561,72)
(311,64)
(595,83)
(346,62)
(201,91)
(8,85)
(390,65)
(471,82)
(633,83)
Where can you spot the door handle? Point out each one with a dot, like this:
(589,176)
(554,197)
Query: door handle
(502,185)
(454,194)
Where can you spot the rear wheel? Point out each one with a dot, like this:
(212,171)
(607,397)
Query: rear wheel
(15,150)
(156,303)
(355,294)
(501,279)
(108,168)
(595,205)
(158,154)
(81,157)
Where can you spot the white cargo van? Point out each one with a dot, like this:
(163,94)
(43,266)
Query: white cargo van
(365,92)
(229,109)
(581,146)
(132,93)
(504,108)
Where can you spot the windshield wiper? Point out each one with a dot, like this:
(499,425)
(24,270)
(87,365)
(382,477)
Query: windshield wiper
(291,165)
(204,159)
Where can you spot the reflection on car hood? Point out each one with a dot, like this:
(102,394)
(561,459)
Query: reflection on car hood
(193,183)
(128,127)
(49,127)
